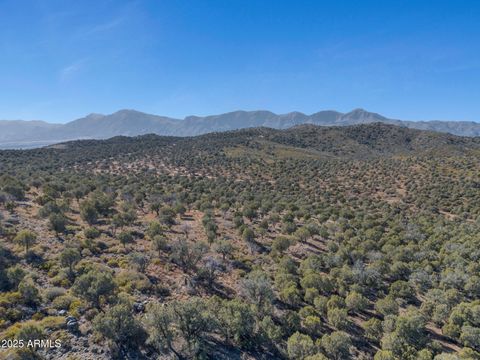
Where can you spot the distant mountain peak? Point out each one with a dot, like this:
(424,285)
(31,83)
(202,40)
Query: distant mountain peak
(359,112)
(126,112)
(362,116)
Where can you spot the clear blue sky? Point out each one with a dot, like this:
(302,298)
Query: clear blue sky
(61,59)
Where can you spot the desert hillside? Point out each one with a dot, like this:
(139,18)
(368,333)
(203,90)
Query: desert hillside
(307,243)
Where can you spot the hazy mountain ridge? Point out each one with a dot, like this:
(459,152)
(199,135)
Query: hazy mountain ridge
(131,123)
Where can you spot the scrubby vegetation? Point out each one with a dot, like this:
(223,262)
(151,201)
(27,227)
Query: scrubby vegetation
(310,243)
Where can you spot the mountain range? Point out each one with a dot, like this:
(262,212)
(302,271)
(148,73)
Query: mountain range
(28,134)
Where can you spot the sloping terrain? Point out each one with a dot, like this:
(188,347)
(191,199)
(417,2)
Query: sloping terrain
(356,242)
(359,141)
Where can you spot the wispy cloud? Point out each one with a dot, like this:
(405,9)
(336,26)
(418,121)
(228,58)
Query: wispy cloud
(69,71)
(103,27)
(113,21)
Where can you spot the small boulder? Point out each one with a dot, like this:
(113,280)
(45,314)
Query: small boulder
(70,318)
(72,323)
(138,307)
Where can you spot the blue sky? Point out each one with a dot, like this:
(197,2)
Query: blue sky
(61,59)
